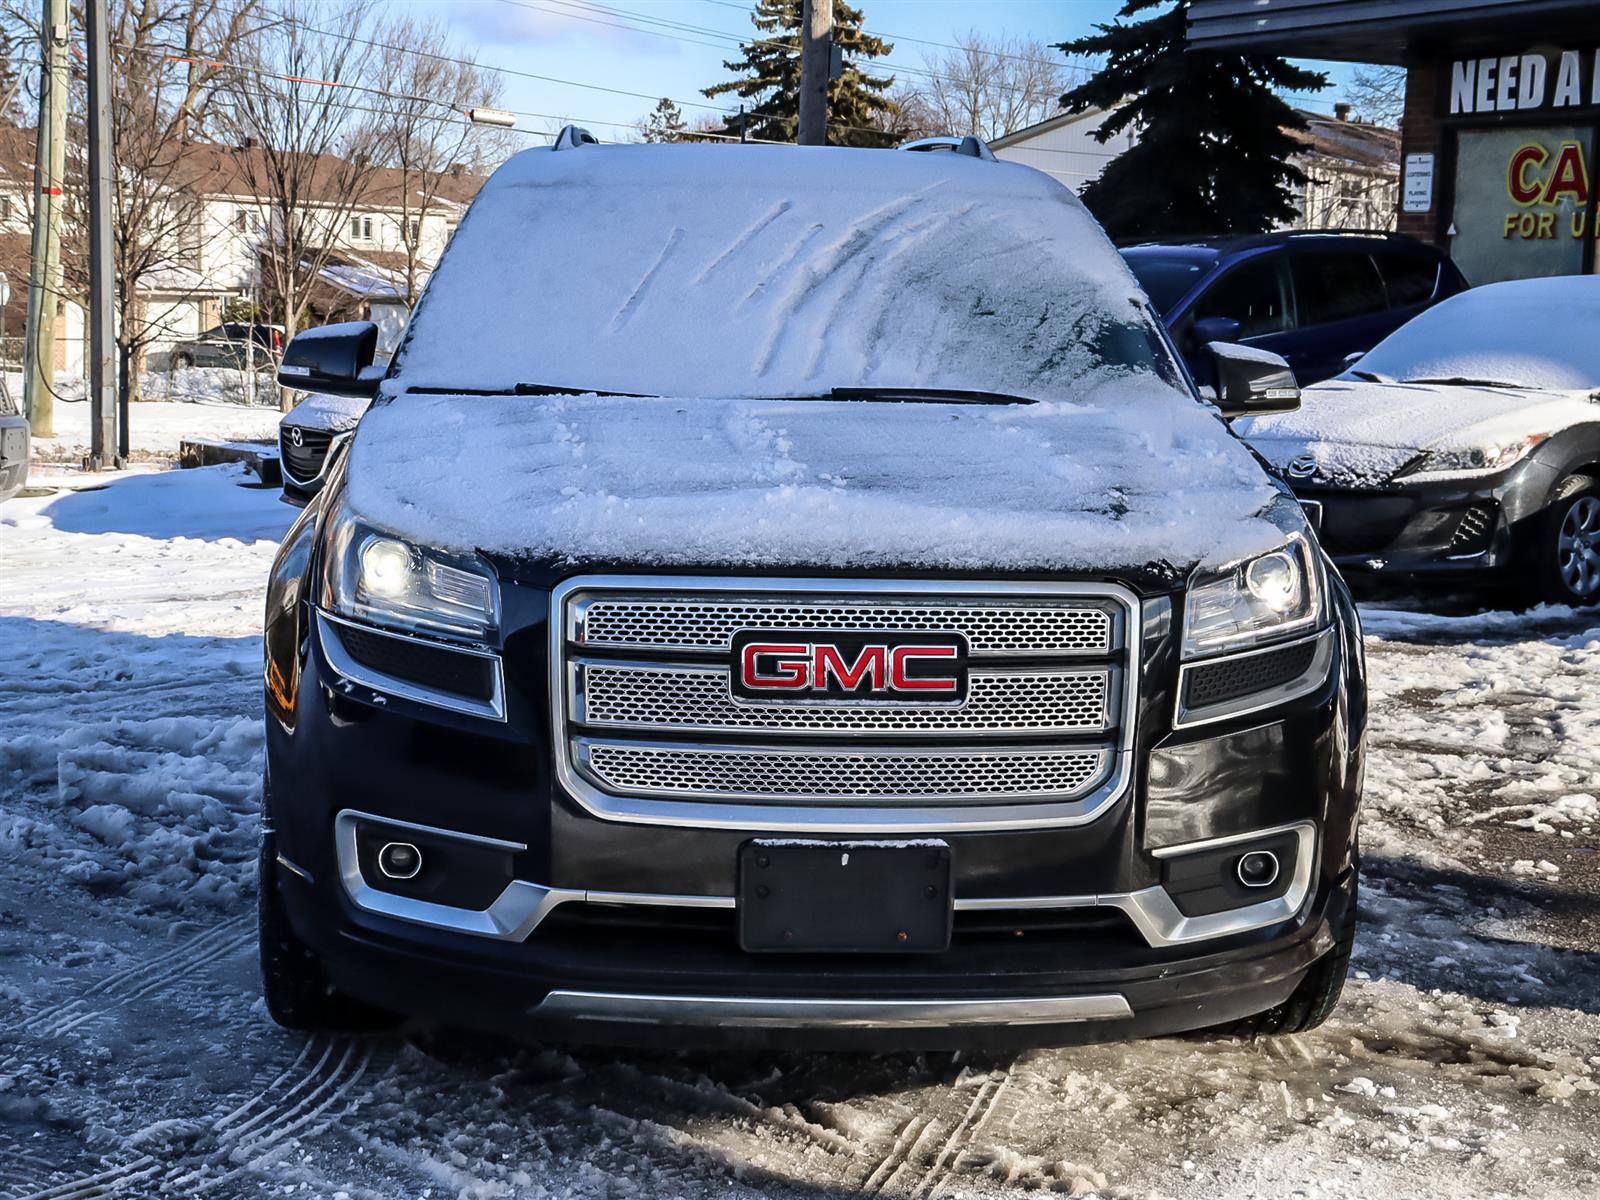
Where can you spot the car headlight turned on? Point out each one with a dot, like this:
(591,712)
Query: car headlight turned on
(371,575)
(1263,599)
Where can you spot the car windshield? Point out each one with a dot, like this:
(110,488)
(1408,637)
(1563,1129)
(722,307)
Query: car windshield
(1167,276)
(771,272)
(1535,333)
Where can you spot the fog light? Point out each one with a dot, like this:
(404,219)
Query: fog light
(1258,869)
(402,860)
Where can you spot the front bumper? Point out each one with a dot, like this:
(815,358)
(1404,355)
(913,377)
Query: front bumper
(560,922)
(1447,525)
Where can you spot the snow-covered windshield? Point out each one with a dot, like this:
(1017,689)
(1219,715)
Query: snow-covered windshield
(777,272)
(1532,333)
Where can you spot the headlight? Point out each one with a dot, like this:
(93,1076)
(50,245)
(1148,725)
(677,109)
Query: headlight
(1256,601)
(371,575)
(1475,458)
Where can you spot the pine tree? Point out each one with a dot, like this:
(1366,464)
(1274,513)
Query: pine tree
(1212,154)
(770,75)
(664,124)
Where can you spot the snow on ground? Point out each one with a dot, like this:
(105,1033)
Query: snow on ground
(136,1060)
(199,402)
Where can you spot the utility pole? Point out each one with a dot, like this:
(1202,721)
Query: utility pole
(44,276)
(816,54)
(102,266)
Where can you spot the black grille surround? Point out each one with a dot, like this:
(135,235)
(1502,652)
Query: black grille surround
(437,668)
(304,462)
(1207,684)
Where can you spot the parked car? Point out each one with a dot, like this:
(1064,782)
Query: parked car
(1467,441)
(841,623)
(1314,298)
(227,345)
(310,437)
(14,442)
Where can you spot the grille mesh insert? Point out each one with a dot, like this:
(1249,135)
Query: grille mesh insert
(666,697)
(1060,627)
(877,775)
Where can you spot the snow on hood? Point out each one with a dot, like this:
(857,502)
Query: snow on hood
(1134,474)
(774,271)
(1361,433)
(335,413)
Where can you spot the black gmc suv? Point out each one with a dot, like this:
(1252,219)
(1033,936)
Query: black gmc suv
(798,595)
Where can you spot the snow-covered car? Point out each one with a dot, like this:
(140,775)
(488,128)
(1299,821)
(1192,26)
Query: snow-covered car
(229,345)
(310,436)
(796,595)
(14,442)
(1466,441)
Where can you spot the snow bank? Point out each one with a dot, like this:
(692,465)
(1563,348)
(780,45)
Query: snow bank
(1134,474)
(690,271)
(156,428)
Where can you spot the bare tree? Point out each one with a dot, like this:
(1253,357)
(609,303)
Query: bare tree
(1378,94)
(306,144)
(988,87)
(423,133)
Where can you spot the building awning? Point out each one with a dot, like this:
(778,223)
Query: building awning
(1382,31)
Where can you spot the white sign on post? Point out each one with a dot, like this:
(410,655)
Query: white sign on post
(1417,190)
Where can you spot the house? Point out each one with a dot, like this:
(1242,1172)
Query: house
(1352,169)
(382,248)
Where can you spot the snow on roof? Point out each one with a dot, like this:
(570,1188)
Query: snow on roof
(702,270)
(364,278)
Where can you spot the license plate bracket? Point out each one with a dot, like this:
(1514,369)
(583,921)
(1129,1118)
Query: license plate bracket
(844,897)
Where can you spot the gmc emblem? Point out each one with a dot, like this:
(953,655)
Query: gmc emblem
(811,665)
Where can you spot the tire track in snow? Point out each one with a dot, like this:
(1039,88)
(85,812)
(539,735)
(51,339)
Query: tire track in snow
(940,1175)
(324,1073)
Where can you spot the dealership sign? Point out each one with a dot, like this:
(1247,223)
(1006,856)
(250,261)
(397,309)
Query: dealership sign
(1563,79)
(1548,185)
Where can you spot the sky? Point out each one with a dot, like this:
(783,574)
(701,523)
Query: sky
(612,44)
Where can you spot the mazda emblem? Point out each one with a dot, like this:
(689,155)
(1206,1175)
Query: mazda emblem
(1304,467)
(296,438)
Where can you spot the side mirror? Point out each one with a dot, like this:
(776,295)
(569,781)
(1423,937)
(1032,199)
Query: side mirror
(1353,358)
(333,359)
(1216,329)
(1251,381)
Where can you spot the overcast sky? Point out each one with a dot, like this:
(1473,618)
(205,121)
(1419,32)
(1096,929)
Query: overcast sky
(612,44)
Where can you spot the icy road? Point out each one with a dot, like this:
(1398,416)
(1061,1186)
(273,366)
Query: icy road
(136,1059)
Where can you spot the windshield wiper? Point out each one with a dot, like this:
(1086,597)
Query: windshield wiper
(527,389)
(1467,381)
(920,395)
(1372,376)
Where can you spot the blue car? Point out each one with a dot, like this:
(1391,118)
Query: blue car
(1314,298)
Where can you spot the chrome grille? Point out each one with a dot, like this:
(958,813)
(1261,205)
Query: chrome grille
(647,728)
(896,775)
(654,697)
(631,622)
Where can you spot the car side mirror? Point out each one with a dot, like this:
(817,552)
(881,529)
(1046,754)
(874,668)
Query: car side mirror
(335,360)
(1251,381)
(1353,358)
(1216,329)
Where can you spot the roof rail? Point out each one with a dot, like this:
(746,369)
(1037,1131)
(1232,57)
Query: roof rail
(574,136)
(970,146)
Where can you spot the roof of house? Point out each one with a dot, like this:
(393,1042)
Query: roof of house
(217,170)
(1374,146)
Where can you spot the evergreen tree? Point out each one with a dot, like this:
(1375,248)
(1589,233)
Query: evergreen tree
(1212,154)
(664,124)
(770,75)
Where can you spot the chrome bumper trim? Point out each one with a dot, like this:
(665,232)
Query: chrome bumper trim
(821,1013)
(353,672)
(518,910)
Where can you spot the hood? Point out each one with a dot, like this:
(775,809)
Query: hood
(1134,475)
(333,413)
(1360,433)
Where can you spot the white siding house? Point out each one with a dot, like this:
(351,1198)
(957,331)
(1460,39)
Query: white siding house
(1064,146)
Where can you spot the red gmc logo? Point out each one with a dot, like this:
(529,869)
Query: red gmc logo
(849,666)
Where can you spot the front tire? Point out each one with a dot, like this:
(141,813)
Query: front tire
(182,360)
(1313,1001)
(1567,549)
(293,980)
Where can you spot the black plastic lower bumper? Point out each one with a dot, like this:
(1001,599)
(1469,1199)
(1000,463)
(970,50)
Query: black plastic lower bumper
(447,980)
